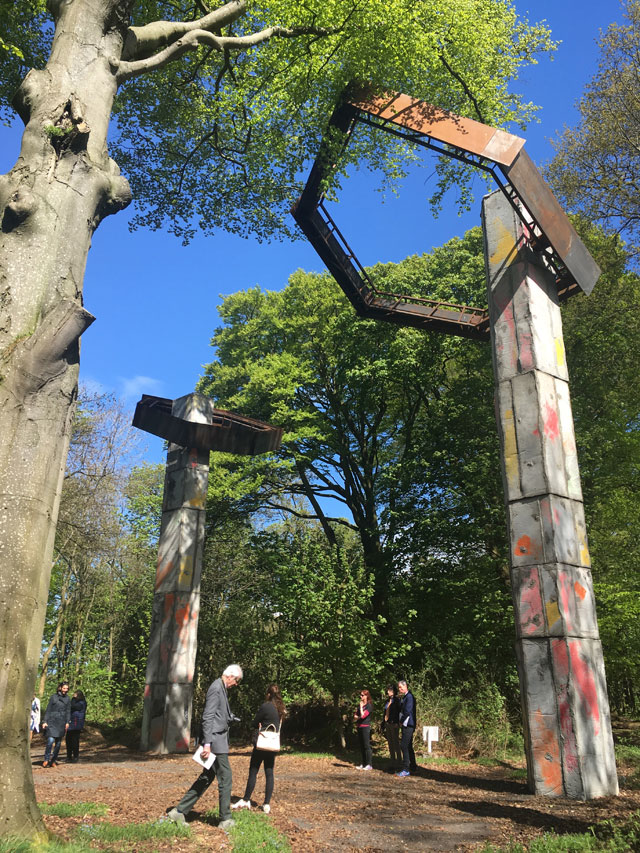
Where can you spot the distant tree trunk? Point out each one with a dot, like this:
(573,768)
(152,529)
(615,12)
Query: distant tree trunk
(59,190)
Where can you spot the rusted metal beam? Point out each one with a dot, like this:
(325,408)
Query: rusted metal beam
(501,154)
(225,431)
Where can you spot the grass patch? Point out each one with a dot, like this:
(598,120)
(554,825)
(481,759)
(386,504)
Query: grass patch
(134,832)
(518,773)
(254,831)
(20,845)
(74,809)
(441,760)
(607,837)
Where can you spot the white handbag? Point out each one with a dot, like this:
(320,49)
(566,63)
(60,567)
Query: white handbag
(268,739)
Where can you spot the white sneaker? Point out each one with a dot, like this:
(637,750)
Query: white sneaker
(360,767)
(241,804)
(368,767)
(266,808)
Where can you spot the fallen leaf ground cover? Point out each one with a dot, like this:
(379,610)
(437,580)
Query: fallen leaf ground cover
(321,803)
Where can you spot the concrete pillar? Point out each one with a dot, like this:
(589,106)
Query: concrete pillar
(564,695)
(168,691)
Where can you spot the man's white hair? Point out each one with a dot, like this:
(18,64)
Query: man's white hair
(234,671)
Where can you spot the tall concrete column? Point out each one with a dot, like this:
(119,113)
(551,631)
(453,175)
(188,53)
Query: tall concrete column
(564,695)
(168,693)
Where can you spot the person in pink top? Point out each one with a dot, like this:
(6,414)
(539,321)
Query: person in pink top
(362,718)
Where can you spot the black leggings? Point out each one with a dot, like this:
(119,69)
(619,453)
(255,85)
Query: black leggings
(364,735)
(257,757)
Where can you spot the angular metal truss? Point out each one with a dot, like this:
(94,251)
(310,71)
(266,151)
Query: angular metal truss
(226,432)
(497,152)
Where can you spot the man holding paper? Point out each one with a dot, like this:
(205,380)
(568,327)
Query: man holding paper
(216,719)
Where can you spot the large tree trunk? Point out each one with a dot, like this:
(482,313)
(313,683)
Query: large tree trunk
(51,202)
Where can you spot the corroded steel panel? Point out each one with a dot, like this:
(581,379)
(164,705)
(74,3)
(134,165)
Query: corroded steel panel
(553,221)
(546,227)
(223,431)
(465,133)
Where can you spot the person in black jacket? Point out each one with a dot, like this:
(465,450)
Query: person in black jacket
(407,719)
(270,713)
(76,725)
(390,725)
(56,722)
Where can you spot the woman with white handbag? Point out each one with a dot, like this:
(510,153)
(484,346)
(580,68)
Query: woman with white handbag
(266,745)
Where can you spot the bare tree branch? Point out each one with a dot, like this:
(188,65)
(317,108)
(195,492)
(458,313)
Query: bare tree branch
(142,42)
(195,38)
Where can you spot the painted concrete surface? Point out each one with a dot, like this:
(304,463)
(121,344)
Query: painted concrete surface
(166,724)
(564,695)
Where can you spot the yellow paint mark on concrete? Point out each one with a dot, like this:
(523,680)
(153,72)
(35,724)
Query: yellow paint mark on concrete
(185,575)
(585,557)
(197,502)
(560,358)
(505,245)
(553,612)
(510,450)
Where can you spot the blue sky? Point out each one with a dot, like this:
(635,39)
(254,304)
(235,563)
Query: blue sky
(155,300)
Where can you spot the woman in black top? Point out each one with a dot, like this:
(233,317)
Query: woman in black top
(270,713)
(362,717)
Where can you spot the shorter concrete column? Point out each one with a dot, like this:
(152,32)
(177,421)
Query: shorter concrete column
(176,604)
(567,726)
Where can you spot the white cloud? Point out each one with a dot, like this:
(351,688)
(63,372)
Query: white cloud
(136,386)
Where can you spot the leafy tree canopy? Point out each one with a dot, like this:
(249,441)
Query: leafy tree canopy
(595,171)
(220,138)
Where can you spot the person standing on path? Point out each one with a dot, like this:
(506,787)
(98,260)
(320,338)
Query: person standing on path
(270,713)
(407,720)
(216,719)
(362,717)
(390,726)
(76,725)
(34,719)
(56,722)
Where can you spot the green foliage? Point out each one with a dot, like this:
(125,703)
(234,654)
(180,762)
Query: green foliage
(25,37)
(256,832)
(74,809)
(595,167)
(9,844)
(230,151)
(134,832)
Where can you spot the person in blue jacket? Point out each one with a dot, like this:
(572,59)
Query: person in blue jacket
(407,720)
(76,725)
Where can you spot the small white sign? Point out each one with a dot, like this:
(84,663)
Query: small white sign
(429,735)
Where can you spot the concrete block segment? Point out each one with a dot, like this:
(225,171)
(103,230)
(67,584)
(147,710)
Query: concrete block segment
(166,725)
(564,695)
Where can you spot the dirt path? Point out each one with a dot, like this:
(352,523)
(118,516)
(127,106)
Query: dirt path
(326,804)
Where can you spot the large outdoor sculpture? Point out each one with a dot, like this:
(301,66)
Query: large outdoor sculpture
(534,259)
(193,427)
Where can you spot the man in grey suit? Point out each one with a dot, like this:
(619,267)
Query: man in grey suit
(216,719)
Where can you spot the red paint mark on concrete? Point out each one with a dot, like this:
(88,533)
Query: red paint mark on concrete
(182,745)
(526,351)
(530,602)
(523,545)
(161,573)
(147,691)
(193,457)
(551,423)
(564,598)
(586,685)
(561,667)
(556,516)
(182,615)
(164,652)
(168,606)
(546,753)
(579,590)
